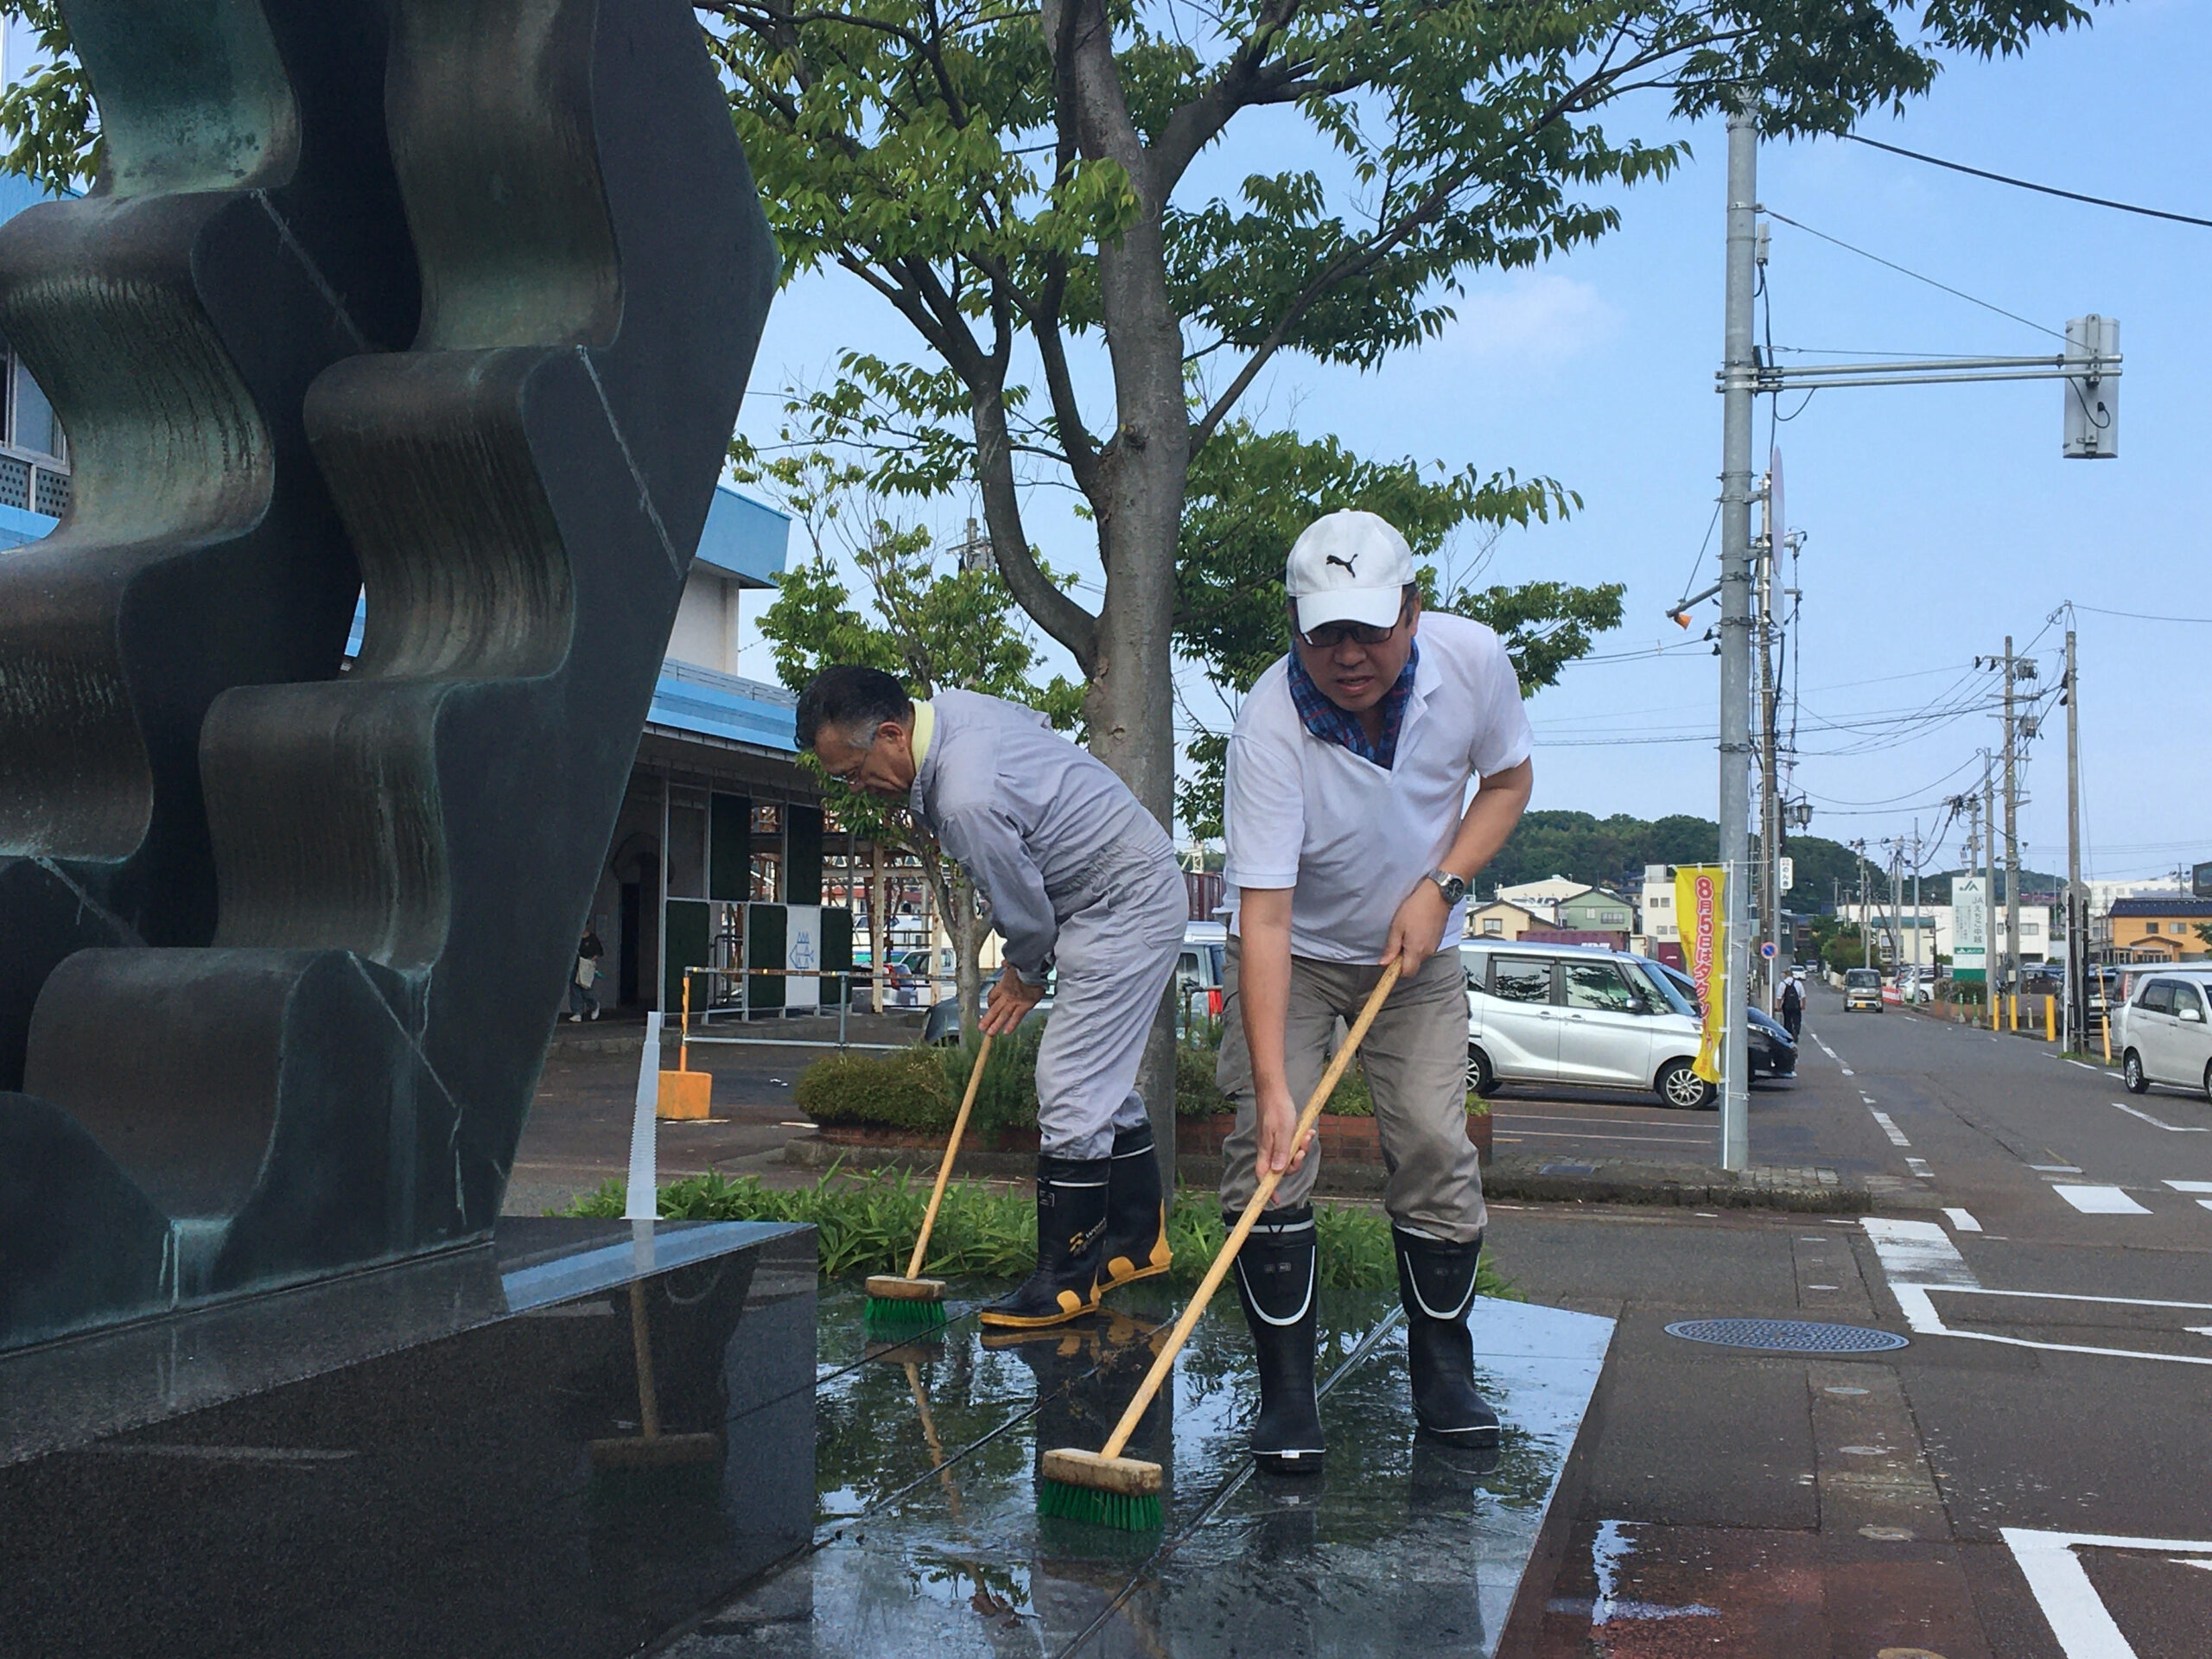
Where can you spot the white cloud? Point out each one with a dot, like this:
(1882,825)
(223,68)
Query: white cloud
(1531,319)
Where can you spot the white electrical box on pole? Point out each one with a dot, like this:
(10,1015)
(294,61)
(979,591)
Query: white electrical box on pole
(1738,379)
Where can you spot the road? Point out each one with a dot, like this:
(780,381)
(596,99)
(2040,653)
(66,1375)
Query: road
(2030,1479)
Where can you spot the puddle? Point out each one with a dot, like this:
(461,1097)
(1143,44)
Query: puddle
(929,1539)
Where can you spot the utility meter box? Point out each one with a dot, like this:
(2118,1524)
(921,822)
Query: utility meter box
(2093,393)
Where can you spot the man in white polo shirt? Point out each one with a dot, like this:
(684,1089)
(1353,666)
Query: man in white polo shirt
(1352,843)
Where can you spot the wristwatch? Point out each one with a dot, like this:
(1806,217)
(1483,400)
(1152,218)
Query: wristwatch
(1449,885)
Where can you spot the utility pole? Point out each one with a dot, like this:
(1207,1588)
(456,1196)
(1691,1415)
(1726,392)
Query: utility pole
(1989,876)
(2077,919)
(2012,827)
(1739,373)
(1918,916)
(1769,763)
(1865,933)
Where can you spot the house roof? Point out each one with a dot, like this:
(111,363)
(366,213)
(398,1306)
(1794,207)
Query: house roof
(1506,904)
(2161,907)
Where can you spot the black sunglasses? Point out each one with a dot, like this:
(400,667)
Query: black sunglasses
(1330,635)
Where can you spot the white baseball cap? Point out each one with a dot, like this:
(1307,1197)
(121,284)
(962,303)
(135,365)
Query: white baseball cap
(1348,567)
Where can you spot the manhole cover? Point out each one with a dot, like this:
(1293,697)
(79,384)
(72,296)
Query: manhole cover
(1786,1336)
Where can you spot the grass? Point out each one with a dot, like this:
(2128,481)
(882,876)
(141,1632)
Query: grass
(865,1221)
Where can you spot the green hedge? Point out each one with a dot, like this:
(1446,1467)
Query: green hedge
(865,1223)
(919,1089)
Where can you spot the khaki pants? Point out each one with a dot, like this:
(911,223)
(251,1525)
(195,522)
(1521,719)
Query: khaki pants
(1416,1058)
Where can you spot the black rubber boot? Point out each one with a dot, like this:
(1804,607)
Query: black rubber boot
(1136,1215)
(1070,1246)
(1275,1281)
(1436,1282)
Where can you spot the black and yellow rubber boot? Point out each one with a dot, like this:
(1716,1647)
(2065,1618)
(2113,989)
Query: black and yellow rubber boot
(1136,1215)
(1070,1247)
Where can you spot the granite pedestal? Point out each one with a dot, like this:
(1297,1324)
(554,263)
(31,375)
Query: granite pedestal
(929,1540)
(470,1454)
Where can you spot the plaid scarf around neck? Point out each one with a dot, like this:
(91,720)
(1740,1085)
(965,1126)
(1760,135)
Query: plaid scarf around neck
(1341,727)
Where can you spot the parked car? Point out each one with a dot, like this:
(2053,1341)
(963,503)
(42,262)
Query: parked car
(1580,1016)
(2164,1033)
(1862,988)
(1767,1042)
(1198,979)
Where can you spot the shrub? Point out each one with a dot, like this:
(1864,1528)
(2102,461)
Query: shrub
(903,1091)
(1196,1095)
(1006,1097)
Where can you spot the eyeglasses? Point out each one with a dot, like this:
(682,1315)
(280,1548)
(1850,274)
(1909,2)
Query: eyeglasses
(1330,635)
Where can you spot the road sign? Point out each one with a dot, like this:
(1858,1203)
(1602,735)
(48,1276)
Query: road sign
(1786,877)
(1767,950)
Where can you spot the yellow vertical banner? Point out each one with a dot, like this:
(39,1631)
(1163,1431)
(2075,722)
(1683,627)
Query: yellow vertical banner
(1700,904)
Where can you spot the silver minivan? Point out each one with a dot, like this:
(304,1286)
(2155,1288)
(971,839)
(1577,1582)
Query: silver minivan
(1576,1015)
(2164,1033)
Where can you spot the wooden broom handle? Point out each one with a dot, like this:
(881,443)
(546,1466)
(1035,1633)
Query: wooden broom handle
(944,1169)
(1266,1190)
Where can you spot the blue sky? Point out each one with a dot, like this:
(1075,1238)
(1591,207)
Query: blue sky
(1936,519)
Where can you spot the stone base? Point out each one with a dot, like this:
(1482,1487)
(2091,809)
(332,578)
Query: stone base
(451,1457)
(930,1541)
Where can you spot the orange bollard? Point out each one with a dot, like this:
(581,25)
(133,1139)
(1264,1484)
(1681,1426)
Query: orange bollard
(2051,1019)
(686,1094)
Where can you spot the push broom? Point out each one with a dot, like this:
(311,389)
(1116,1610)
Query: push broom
(1107,1488)
(905,1305)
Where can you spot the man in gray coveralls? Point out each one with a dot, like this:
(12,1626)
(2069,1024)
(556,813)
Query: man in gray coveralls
(1083,885)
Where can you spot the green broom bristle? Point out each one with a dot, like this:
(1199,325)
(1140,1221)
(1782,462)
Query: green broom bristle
(887,1315)
(1125,1511)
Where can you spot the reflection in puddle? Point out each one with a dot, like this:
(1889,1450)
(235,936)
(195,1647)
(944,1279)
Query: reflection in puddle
(929,1539)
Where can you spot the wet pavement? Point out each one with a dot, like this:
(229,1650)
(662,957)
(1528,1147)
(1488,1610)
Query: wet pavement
(929,1539)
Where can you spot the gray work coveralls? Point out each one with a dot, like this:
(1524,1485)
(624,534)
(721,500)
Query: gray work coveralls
(1080,879)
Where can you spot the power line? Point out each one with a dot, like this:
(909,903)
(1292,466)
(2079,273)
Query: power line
(2024,184)
(2144,616)
(1956,293)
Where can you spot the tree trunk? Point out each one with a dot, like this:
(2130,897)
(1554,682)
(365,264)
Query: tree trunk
(1129,702)
(879,929)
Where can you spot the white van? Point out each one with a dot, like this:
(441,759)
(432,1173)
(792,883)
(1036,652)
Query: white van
(1577,1014)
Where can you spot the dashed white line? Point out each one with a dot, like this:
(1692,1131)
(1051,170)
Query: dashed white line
(2190,1186)
(1963,1221)
(2084,1065)
(2099,1200)
(2160,1123)
(2205,1203)
(2056,1169)
(1919,1166)
(1889,1128)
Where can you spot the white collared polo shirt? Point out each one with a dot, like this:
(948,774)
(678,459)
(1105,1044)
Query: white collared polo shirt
(1351,838)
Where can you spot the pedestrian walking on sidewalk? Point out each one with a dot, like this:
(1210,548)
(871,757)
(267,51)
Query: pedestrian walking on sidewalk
(584,995)
(1793,1005)
(1084,888)
(1350,844)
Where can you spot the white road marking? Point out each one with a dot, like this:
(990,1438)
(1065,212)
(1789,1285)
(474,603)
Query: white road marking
(1849,1072)
(2190,1186)
(2056,1169)
(2171,1129)
(2198,1330)
(2084,1065)
(1919,1166)
(1917,1253)
(1826,1050)
(2099,1200)
(2070,1602)
(1889,1128)
(1921,1263)
(1963,1221)
(2206,1203)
